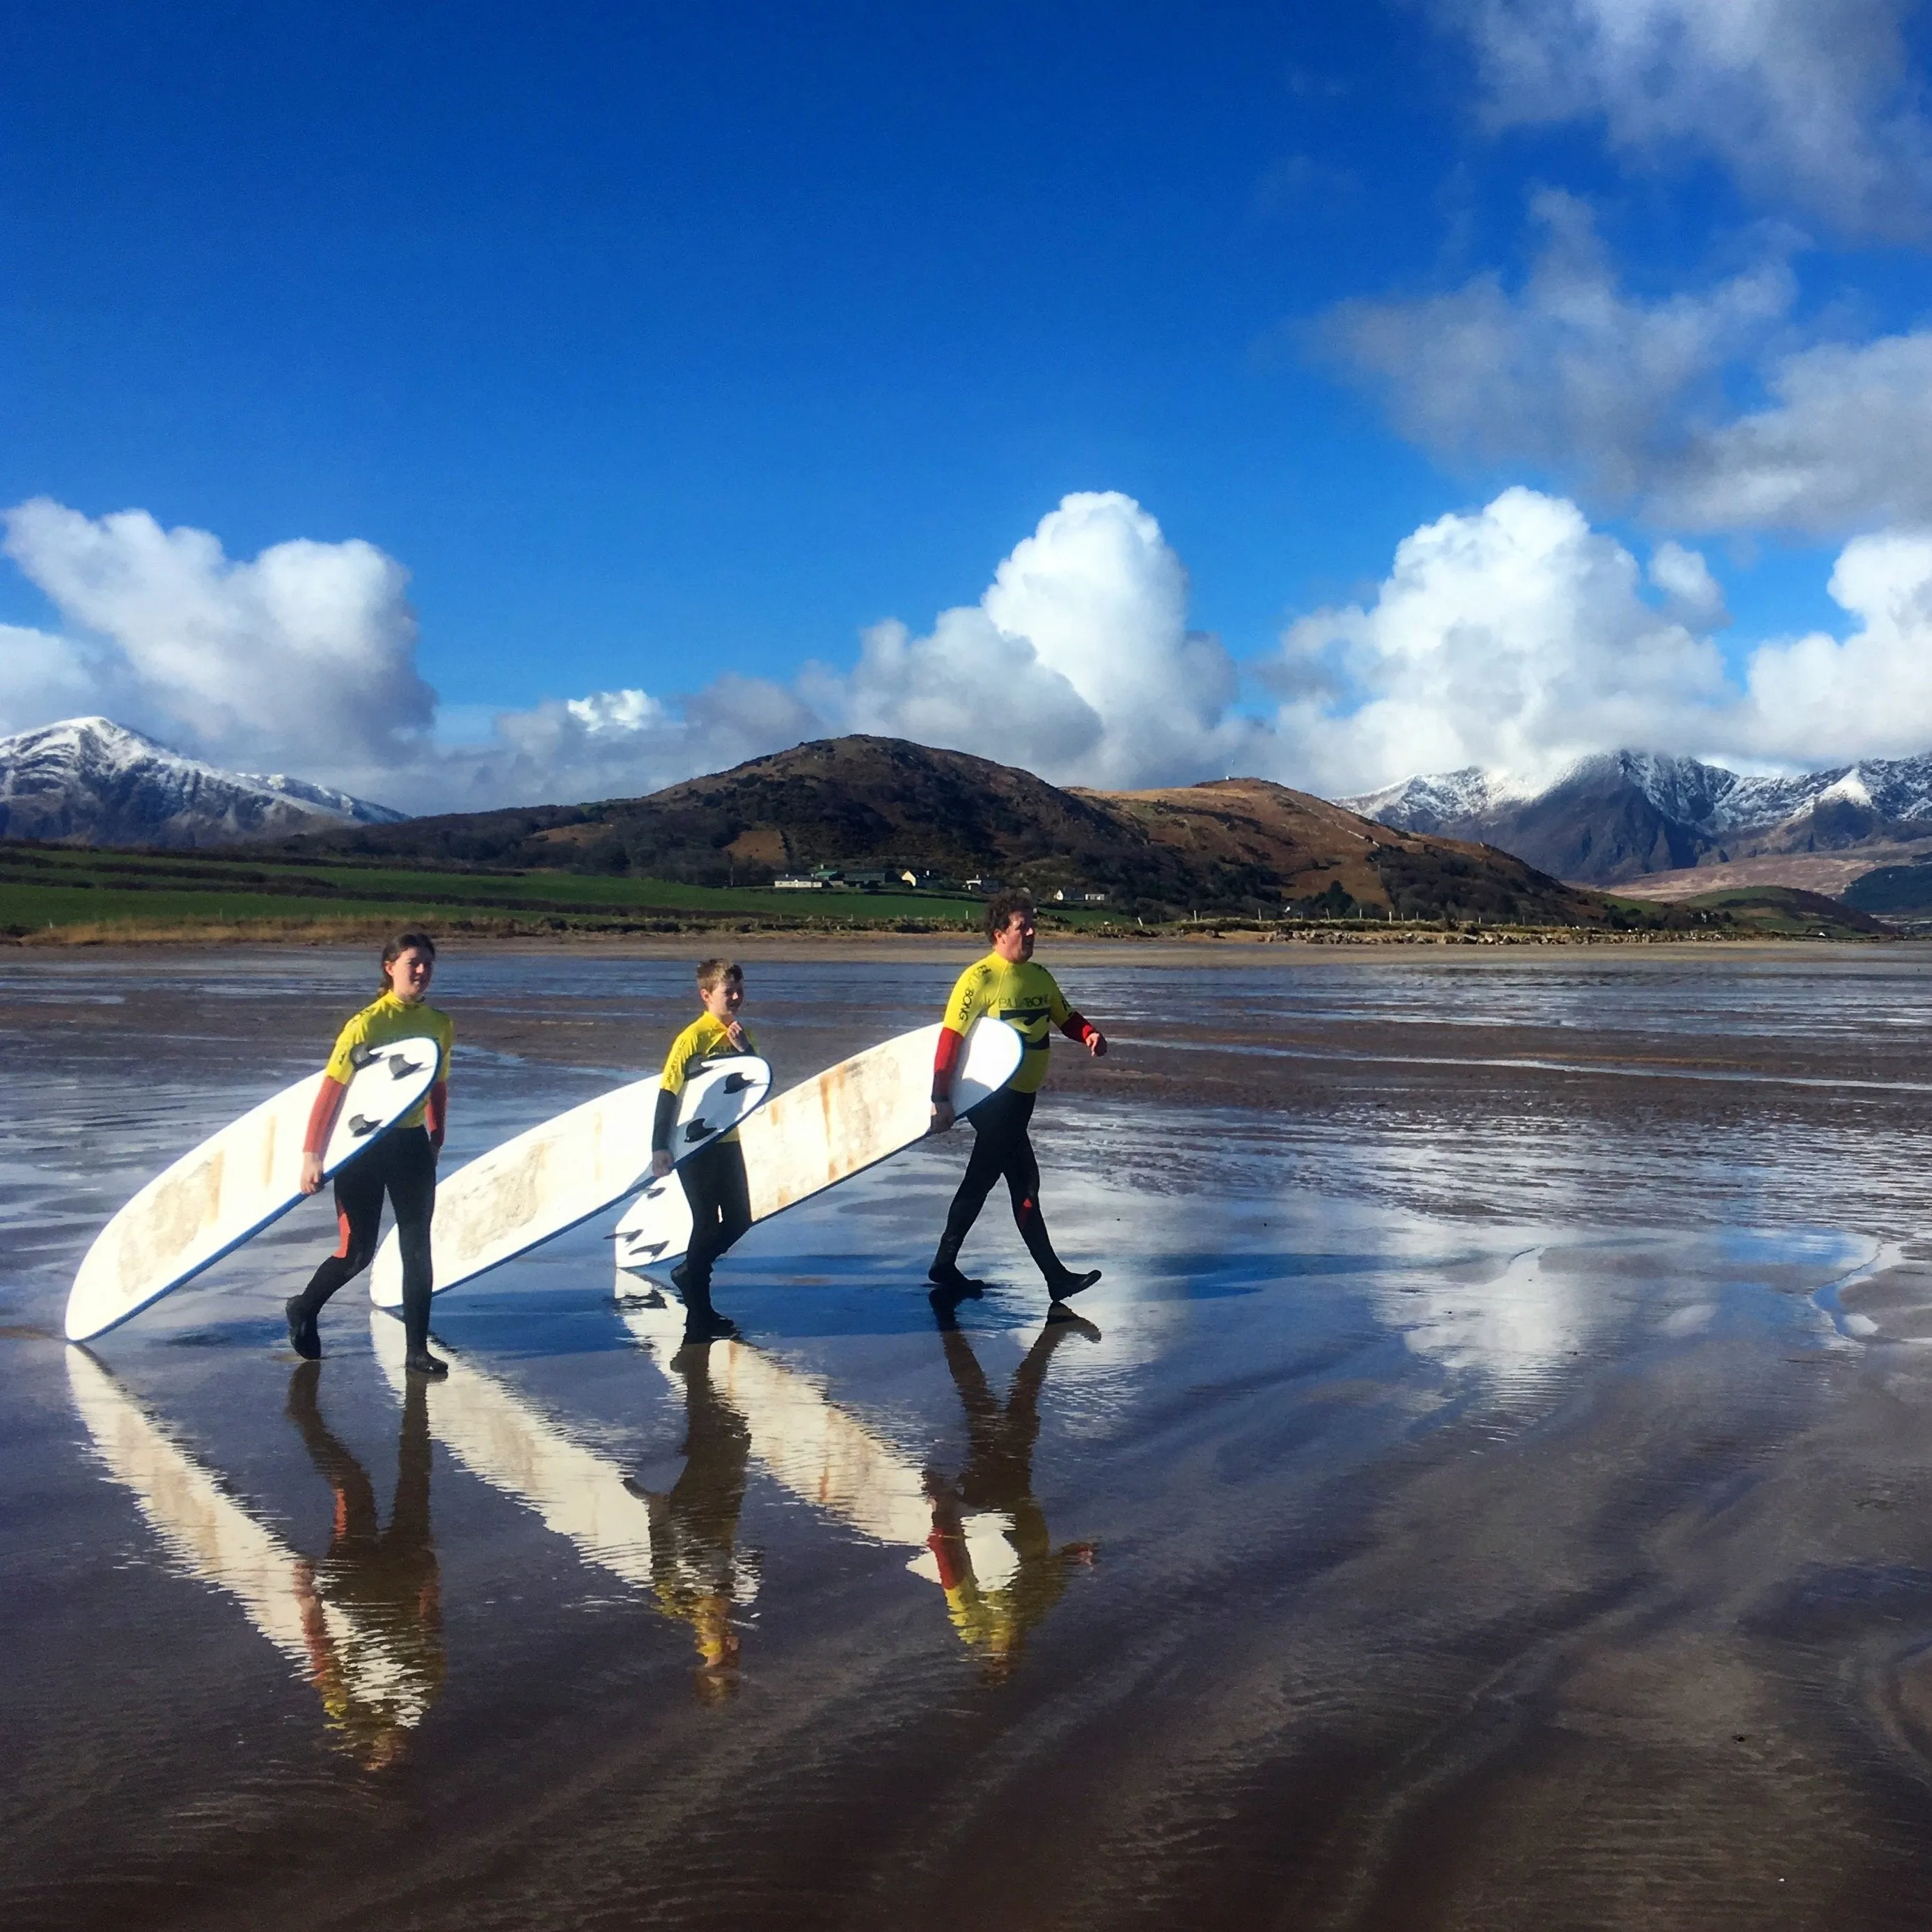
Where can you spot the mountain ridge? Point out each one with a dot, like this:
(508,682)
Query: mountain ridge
(91,781)
(1242,845)
(1617,817)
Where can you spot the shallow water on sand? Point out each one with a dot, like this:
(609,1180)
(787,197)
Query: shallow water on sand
(1491,1485)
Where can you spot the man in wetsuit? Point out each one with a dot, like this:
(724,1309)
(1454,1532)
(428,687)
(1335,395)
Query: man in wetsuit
(1007,985)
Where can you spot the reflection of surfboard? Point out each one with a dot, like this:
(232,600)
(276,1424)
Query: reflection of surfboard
(501,1439)
(232,1186)
(531,1189)
(211,1536)
(814,1136)
(818,1451)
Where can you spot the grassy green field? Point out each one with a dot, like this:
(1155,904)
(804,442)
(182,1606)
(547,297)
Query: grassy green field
(57,892)
(59,895)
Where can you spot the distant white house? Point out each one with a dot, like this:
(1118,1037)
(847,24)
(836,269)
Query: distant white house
(794,882)
(1062,897)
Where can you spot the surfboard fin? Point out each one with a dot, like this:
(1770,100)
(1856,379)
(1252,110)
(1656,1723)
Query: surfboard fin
(401,1069)
(737,1083)
(696,1131)
(360,1124)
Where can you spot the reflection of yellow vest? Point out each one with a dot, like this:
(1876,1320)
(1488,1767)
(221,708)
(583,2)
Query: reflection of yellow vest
(984,1621)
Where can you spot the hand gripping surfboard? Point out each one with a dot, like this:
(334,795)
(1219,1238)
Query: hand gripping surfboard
(528,1190)
(233,1185)
(814,1136)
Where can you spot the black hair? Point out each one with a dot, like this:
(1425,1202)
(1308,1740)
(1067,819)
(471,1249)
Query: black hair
(1001,908)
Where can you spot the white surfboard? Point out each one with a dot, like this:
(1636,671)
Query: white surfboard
(503,1439)
(233,1185)
(823,1454)
(210,1537)
(528,1190)
(812,1136)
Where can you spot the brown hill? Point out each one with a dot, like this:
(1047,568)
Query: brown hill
(1237,845)
(1285,847)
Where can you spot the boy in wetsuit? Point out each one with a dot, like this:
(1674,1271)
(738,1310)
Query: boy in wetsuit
(713,1178)
(402,1163)
(1008,986)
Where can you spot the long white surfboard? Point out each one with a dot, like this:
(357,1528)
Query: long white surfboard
(822,1453)
(210,1537)
(506,1441)
(219,1194)
(528,1190)
(851,1118)
(819,1451)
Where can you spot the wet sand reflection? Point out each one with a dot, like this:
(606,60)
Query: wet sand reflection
(990,1551)
(364,1624)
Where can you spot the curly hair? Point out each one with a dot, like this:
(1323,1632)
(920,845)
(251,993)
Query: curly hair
(1002,906)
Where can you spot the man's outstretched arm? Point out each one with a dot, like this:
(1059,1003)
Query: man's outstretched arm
(1077,1027)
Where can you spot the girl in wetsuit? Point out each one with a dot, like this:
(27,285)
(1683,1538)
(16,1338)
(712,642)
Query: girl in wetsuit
(402,1164)
(713,1178)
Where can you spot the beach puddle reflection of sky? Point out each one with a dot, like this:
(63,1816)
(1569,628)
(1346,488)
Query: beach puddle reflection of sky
(1386,1487)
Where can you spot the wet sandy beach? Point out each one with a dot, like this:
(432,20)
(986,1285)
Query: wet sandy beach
(1491,1487)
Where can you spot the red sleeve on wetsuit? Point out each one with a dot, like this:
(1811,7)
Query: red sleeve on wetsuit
(1075,1027)
(946,1062)
(435,1113)
(322,1115)
(946,1554)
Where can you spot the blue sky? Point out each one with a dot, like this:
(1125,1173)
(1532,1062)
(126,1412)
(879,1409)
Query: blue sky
(658,345)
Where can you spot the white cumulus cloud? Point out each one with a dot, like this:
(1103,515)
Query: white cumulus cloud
(43,677)
(308,652)
(1820,698)
(1810,106)
(1518,638)
(1078,662)
(1515,637)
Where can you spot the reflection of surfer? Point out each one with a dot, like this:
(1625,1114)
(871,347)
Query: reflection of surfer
(994,1600)
(387,1579)
(695,1571)
(403,1163)
(713,1178)
(1007,985)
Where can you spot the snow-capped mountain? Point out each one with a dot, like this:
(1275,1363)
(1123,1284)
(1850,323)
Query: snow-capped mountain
(90,782)
(1622,814)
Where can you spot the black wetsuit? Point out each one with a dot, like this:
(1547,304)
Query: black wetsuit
(714,1182)
(1002,1149)
(402,1164)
